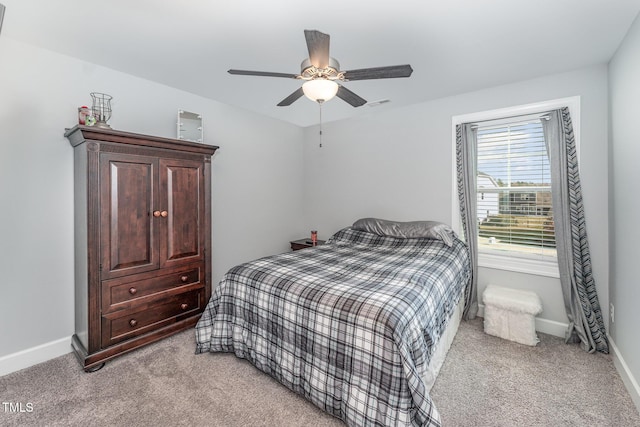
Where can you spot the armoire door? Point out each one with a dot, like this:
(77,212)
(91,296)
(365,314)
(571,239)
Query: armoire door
(129,229)
(182,201)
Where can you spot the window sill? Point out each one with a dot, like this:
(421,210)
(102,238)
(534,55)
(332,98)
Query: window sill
(519,265)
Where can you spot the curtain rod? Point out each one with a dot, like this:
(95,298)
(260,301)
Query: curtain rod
(541,116)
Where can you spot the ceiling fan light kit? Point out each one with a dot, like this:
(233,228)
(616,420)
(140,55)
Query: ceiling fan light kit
(321,74)
(320,90)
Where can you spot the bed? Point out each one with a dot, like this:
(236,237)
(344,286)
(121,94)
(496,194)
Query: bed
(359,326)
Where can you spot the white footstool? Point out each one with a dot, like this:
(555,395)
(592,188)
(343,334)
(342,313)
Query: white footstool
(510,314)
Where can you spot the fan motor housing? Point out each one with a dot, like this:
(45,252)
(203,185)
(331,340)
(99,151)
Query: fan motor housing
(308,71)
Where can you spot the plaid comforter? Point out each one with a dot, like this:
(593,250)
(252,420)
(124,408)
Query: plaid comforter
(350,324)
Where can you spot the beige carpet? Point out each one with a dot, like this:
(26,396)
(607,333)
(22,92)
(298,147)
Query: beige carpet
(485,381)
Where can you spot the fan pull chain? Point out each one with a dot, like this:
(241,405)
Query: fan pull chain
(320,104)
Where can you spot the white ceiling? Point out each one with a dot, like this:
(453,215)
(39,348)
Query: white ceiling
(454,46)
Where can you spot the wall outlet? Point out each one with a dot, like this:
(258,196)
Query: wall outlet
(611,313)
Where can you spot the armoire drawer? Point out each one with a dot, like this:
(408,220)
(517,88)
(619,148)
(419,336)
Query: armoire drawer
(126,324)
(127,292)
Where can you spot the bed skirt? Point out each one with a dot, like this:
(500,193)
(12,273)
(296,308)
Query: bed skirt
(442,348)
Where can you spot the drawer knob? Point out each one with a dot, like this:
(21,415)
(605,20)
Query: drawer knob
(164,214)
(156,213)
(133,322)
(133,290)
(184,306)
(184,278)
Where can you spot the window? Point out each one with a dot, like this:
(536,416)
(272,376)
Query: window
(515,215)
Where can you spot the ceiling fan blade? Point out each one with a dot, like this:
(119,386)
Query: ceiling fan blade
(291,98)
(1,15)
(390,72)
(350,97)
(262,73)
(318,45)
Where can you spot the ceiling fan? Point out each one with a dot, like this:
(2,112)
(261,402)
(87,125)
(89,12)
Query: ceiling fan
(322,73)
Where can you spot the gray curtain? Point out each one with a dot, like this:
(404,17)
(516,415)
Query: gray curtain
(574,262)
(466,166)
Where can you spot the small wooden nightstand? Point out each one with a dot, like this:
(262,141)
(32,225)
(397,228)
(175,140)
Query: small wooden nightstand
(303,243)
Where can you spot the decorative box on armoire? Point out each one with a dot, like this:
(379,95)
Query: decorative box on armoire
(142,239)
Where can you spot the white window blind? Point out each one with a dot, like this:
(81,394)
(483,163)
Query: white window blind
(514,190)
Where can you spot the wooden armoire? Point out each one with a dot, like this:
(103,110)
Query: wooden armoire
(142,239)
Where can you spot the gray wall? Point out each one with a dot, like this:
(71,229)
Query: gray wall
(624,92)
(256,203)
(398,164)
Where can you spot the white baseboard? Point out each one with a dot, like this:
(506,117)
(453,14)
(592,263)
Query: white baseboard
(627,377)
(551,327)
(546,326)
(32,356)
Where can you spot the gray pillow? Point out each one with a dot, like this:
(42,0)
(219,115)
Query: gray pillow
(406,230)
